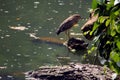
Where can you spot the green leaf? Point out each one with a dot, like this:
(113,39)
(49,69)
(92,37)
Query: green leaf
(115,56)
(113,32)
(93,48)
(112,27)
(107,22)
(108,6)
(117,27)
(94,4)
(117,12)
(114,67)
(118,44)
(96,25)
(89,52)
(108,42)
(102,19)
(101,1)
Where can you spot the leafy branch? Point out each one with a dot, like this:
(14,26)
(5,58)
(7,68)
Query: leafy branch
(106,32)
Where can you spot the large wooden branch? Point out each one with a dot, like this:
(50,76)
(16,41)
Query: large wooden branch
(70,72)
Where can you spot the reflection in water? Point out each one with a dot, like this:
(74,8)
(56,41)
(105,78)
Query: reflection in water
(17,51)
(21,28)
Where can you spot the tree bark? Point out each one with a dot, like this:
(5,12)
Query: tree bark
(70,72)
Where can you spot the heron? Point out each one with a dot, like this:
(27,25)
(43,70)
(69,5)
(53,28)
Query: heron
(87,27)
(67,24)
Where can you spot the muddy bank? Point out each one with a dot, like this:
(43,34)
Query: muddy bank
(70,72)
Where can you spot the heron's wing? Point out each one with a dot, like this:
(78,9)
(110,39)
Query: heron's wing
(66,25)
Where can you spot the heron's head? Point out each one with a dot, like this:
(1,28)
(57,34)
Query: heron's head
(76,17)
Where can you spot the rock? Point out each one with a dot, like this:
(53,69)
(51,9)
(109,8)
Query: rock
(77,44)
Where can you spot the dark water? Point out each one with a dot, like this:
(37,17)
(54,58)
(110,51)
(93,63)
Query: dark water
(18,52)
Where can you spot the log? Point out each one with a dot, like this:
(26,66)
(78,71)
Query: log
(70,72)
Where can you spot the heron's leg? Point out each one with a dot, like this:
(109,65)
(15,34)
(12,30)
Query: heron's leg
(67,34)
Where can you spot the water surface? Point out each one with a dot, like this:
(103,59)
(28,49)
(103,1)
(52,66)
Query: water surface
(18,52)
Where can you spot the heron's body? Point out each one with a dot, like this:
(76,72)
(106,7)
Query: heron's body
(68,23)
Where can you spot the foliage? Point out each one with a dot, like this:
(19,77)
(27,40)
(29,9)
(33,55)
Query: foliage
(107,32)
